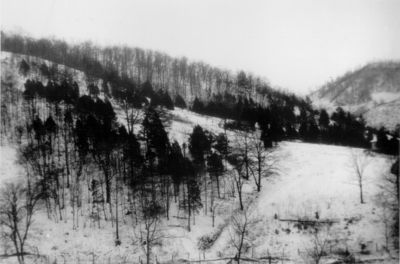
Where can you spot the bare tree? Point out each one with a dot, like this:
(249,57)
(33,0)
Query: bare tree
(133,114)
(150,233)
(240,229)
(214,211)
(386,215)
(389,183)
(265,160)
(388,200)
(237,177)
(358,163)
(243,149)
(320,241)
(18,203)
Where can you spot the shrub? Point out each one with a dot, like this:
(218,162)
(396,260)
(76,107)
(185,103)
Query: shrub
(207,241)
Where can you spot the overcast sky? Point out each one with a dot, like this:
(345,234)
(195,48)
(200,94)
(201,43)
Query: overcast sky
(298,45)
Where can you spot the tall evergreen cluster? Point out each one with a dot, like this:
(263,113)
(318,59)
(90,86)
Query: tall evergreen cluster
(278,120)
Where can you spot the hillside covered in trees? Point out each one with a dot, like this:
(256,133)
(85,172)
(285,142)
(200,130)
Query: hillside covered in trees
(372,90)
(136,76)
(93,144)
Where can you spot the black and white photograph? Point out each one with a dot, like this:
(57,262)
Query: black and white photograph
(199,131)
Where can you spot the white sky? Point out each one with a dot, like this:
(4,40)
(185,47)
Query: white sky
(297,45)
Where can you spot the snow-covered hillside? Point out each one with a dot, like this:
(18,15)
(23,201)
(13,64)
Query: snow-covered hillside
(10,64)
(364,91)
(315,183)
(377,113)
(314,178)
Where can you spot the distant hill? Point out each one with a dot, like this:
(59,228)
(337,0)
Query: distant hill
(365,91)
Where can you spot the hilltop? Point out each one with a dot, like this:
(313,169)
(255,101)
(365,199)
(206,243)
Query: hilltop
(369,91)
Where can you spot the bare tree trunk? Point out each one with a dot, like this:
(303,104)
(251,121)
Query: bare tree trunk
(66,151)
(116,209)
(361,193)
(205,194)
(189,208)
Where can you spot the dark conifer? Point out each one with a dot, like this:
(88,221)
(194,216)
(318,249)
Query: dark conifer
(215,168)
(199,145)
(198,106)
(180,102)
(24,68)
(324,119)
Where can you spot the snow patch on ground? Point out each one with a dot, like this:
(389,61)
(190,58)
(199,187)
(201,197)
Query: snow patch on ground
(385,97)
(8,168)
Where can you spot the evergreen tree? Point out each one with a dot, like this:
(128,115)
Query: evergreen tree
(291,133)
(198,106)
(192,203)
(167,101)
(222,144)
(44,70)
(215,168)
(339,116)
(276,132)
(133,158)
(324,119)
(147,90)
(154,133)
(39,128)
(157,99)
(51,130)
(180,102)
(24,68)
(313,132)
(382,140)
(303,131)
(176,167)
(81,141)
(199,145)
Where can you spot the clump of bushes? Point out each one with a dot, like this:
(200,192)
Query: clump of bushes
(207,241)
